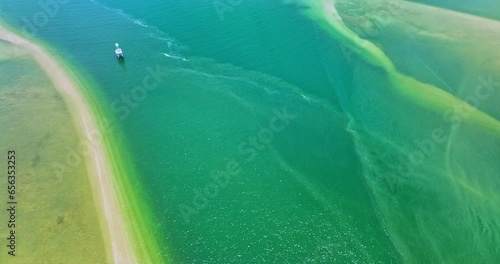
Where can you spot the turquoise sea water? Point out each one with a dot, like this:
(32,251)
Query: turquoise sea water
(267,140)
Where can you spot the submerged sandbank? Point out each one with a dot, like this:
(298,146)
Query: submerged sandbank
(426,95)
(445,196)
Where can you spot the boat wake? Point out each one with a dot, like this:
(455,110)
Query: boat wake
(157,33)
(152,31)
(175,57)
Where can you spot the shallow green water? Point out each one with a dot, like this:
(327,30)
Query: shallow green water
(327,184)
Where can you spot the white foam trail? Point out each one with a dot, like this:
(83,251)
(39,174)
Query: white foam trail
(306,98)
(175,57)
(139,22)
(164,39)
(157,33)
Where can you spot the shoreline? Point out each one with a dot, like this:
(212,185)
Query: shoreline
(120,246)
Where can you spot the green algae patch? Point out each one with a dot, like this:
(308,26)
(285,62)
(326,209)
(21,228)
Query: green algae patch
(74,151)
(131,195)
(132,198)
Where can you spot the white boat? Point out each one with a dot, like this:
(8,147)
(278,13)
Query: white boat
(118,52)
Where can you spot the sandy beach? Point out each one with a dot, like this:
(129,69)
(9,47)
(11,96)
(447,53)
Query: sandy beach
(120,246)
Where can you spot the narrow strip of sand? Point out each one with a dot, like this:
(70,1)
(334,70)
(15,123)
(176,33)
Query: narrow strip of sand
(100,173)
